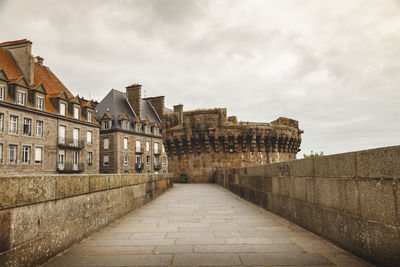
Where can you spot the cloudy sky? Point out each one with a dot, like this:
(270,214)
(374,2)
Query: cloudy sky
(332,65)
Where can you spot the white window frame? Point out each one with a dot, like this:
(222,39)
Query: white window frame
(13,148)
(126,160)
(162,148)
(39,128)
(1,122)
(126,142)
(29,120)
(125,124)
(38,155)
(26,154)
(89,157)
(13,129)
(148,160)
(106,162)
(90,116)
(89,137)
(156,147)
(63,109)
(1,153)
(164,161)
(76,113)
(2,91)
(138,127)
(138,146)
(21,97)
(106,141)
(147,146)
(138,159)
(61,137)
(107,125)
(39,102)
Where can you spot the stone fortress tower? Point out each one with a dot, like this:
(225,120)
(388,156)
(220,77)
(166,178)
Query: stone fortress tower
(201,141)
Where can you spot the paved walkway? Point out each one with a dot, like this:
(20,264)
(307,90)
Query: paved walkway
(203,224)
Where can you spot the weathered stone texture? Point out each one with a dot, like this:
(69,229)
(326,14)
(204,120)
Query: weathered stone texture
(202,141)
(352,199)
(42,216)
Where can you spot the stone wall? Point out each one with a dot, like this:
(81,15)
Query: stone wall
(199,142)
(40,216)
(352,199)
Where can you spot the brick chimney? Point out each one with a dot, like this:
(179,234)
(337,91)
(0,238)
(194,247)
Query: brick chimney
(179,109)
(134,96)
(21,51)
(39,60)
(158,104)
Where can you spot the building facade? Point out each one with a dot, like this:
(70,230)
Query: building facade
(199,142)
(131,133)
(43,127)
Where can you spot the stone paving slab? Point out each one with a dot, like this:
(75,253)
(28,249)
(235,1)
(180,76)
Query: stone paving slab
(203,225)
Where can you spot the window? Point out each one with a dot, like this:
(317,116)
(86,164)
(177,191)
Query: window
(13,124)
(138,159)
(125,124)
(39,128)
(61,134)
(163,148)
(126,160)
(2,89)
(76,159)
(106,125)
(147,146)
(106,143)
(156,148)
(12,156)
(147,129)
(89,137)
(155,131)
(126,142)
(147,160)
(76,137)
(89,158)
(157,160)
(26,151)
(76,113)
(62,109)
(38,155)
(138,146)
(21,98)
(1,153)
(106,160)
(1,122)
(27,126)
(39,102)
(90,116)
(138,127)
(164,161)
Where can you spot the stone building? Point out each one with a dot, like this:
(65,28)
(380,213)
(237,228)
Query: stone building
(201,141)
(43,127)
(131,133)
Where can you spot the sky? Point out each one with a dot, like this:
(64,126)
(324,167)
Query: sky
(332,65)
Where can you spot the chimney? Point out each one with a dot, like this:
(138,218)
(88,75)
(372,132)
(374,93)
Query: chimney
(21,51)
(134,95)
(179,109)
(39,60)
(158,104)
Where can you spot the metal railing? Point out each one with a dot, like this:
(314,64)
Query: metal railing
(71,143)
(139,150)
(139,166)
(157,166)
(69,167)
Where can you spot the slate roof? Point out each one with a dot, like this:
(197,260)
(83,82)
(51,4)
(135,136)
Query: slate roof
(116,104)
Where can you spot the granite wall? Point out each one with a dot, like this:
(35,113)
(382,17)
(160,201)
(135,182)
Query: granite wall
(352,199)
(40,216)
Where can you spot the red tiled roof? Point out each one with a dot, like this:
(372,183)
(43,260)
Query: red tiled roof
(53,85)
(8,64)
(15,42)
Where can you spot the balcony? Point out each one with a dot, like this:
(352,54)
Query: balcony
(71,143)
(69,167)
(157,151)
(139,166)
(139,150)
(157,166)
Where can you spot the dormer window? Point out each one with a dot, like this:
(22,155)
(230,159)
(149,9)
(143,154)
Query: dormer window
(2,89)
(76,113)
(90,116)
(106,125)
(125,124)
(21,98)
(156,131)
(138,127)
(147,129)
(62,109)
(39,102)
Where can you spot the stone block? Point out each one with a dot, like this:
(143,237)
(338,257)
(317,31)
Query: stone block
(328,192)
(114,181)
(266,184)
(379,163)
(71,185)
(98,183)
(17,191)
(5,230)
(256,170)
(340,165)
(349,199)
(299,188)
(277,169)
(301,167)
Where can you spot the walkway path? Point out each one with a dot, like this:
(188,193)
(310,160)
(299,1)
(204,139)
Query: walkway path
(203,224)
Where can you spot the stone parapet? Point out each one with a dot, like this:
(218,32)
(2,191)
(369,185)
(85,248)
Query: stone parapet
(40,216)
(352,199)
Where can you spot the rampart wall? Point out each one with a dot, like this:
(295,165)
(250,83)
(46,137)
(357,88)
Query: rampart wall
(352,199)
(40,216)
